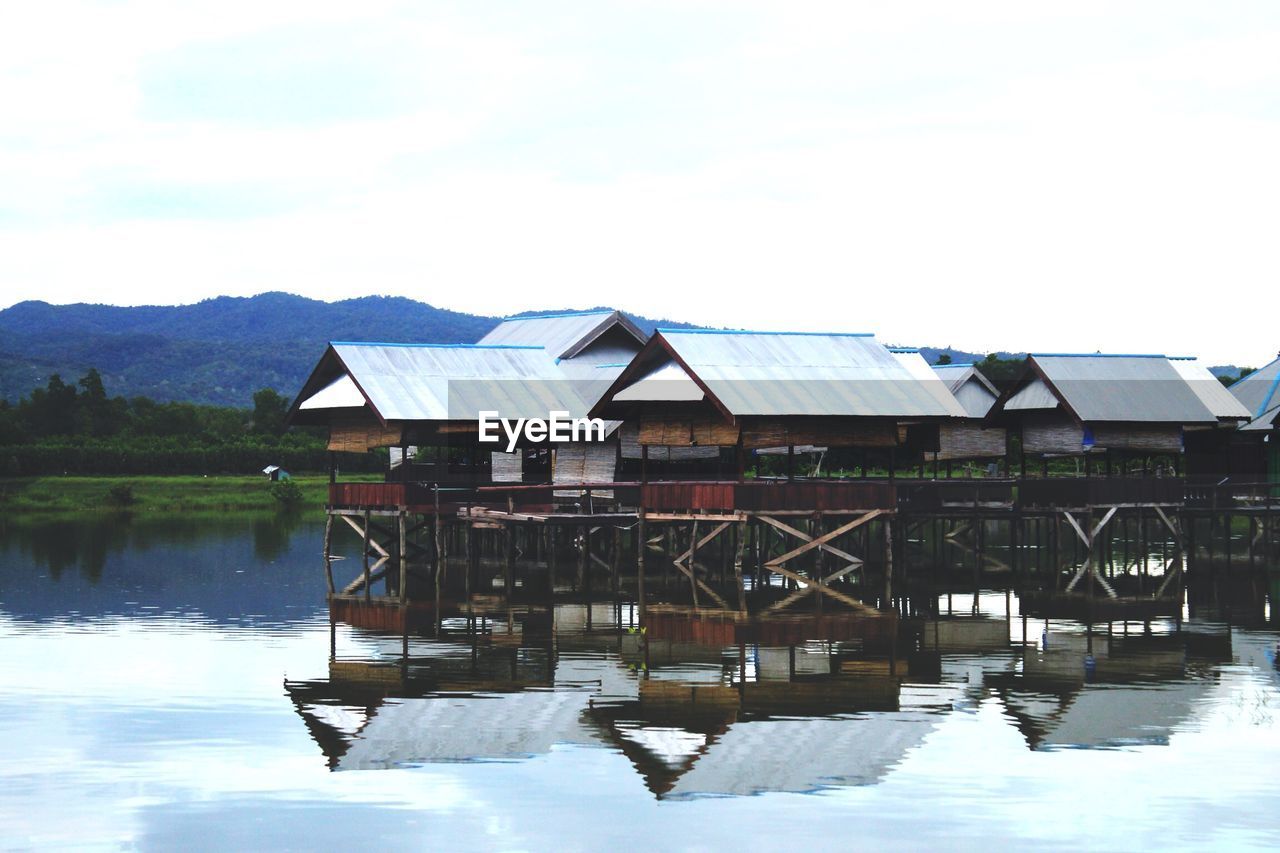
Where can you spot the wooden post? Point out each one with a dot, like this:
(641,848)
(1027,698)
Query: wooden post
(551,560)
(437,540)
(740,535)
(888,564)
(328,559)
(641,545)
(508,562)
(367,582)
(473,564)
(615,561)
(693,563)
(404,557)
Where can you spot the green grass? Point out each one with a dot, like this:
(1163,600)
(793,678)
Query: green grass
(155,494)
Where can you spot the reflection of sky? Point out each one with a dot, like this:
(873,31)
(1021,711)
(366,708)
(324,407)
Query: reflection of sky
(164,732)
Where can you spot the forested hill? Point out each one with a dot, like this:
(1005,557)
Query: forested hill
(218,351)
(222,350)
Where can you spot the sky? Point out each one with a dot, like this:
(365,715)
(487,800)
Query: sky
(988,175)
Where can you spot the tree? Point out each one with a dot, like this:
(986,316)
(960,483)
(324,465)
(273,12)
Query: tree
(269,409)
(945,358)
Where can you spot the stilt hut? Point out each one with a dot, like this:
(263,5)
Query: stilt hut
(741,391)
(592,348)
(373,395)
(969,439)
(1253,454)
(973,438)
(1118,414)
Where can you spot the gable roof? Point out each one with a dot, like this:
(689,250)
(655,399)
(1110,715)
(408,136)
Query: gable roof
(786,373)
(1099,388)
(973,390)
(562,335)
(1260,390)
(956,375)
(1211,392)
(437,382)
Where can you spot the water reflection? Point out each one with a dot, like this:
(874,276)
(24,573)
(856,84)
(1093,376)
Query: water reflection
(163,676)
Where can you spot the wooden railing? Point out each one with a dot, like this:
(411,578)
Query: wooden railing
(765,496)
(1099,491)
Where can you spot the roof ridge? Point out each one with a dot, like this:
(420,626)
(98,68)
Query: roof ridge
(1098,355)
(759,332)
(562,314)
(428,346)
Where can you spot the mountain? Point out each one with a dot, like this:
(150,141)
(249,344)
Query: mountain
(218,351)
(222,350)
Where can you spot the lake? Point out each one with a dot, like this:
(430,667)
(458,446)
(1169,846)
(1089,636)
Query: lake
(175,682)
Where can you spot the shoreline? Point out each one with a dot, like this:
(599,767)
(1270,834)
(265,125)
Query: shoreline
(155,493)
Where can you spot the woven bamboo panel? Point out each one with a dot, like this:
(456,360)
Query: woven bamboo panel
(1052,437)
(585,462)
(702,432)
(507,467)
(357,436)
(1157,438)
(630,437)
(970,441)
(819,432)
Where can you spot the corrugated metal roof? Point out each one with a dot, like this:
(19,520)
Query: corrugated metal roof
(920,370)
(1260,390)
(1034,395)
(1124,388)
(432,382)
(562,335)
(1211,392)
(973,390)
(780,373)
(1269,419)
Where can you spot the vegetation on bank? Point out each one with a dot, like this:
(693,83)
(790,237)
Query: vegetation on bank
(77,429)
(160,494)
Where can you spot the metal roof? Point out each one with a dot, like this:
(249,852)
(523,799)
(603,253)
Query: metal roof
(432,382)
(1211,392)
(915,364)
(974,391)
(562,335)
(1260,390)
(780,373)
(1124,388)
(1270,419)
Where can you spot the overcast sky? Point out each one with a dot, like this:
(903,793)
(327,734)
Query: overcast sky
(1104,176)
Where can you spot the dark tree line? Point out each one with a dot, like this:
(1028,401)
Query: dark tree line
(78,429)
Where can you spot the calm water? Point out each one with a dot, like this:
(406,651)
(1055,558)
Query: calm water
(168,684)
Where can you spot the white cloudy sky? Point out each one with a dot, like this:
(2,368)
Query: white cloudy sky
(1077,177)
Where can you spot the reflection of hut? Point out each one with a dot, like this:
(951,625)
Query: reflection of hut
(461,706)
(690,739)
(591,347)
(965,634)
(1133,690)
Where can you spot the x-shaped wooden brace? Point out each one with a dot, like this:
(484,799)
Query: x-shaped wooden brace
(808,584)
(1087,539)
(686,564)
